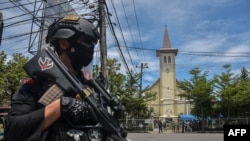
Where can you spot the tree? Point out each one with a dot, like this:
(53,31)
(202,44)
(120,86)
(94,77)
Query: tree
(135,102)
(11,75)
(242,97)
(225,84)
(116,79)
(127,88)
(199,91)
(3,69)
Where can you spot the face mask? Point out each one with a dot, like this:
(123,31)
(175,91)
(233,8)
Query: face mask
(82,56)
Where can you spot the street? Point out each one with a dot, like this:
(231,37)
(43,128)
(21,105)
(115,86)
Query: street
(155,136)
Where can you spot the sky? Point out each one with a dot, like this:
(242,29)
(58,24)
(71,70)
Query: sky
(216,30)
(207,34)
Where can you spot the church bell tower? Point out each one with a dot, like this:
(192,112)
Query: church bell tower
(167,93)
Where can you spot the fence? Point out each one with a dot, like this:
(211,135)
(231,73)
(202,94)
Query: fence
(176,125)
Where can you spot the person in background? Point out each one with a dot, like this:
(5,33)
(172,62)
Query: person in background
(160,126)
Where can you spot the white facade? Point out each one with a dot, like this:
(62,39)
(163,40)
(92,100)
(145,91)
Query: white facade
(168,104)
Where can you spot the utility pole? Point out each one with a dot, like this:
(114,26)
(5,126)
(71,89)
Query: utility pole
(1,27)
(143,65)
(103,43)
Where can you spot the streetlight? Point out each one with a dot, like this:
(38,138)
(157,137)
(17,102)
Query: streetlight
(143,65)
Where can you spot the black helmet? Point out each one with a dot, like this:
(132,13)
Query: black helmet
(71,26)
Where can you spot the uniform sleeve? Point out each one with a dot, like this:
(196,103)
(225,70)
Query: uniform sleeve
(25,118)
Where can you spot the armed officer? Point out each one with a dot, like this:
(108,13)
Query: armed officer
(73,39)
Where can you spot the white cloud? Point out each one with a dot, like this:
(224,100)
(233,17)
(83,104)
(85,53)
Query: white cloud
(194,26)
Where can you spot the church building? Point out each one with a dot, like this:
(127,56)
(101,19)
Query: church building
(168,105)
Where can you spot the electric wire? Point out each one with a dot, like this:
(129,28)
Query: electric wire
(125,44)
(8,25)
(118,46)
(126,18)
(4,2)
(185,53)
(17,6)
(138,28)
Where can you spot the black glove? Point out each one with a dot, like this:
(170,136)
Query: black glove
(124,133)
(77,111)
(114,138)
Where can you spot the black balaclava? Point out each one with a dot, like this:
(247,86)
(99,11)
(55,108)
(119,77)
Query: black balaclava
(82,56)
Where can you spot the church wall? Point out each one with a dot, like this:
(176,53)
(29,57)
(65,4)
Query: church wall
(167,103)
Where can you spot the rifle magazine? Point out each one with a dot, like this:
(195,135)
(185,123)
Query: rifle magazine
(53,93)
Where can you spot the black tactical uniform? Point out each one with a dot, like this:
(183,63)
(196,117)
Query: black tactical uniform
(26,117)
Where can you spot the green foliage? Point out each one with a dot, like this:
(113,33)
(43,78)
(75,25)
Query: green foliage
(136,100)
(11,73)
(127,90)
(198,90)
(242,93)
(124,88)
(225,90)
(227,93)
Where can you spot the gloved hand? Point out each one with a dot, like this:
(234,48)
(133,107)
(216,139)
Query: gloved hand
(113,138)
(77,111)
(124,133)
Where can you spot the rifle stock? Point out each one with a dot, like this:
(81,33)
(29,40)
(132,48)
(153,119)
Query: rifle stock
(46,64)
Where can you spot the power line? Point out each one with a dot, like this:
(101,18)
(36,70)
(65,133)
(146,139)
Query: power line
(118,46)
(138,27)
(217,54)
(16,6)
(120,29)
(197,53)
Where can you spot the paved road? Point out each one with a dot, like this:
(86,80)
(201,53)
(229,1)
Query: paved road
(154,136)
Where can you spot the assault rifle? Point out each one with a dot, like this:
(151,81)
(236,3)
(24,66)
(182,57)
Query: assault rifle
(46,64)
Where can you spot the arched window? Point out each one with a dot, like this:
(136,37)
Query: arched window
(169,60)
(165,59)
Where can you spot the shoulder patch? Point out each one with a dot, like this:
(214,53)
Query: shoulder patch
(29,81)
